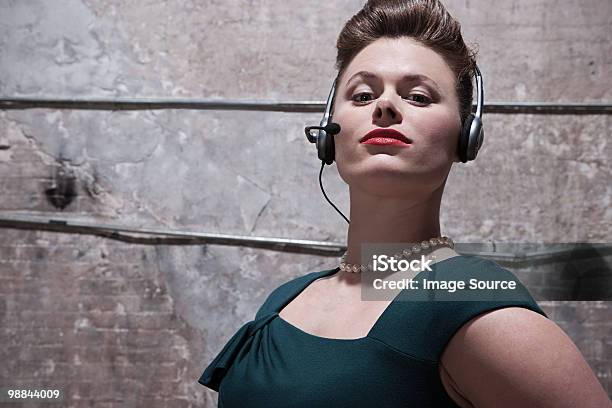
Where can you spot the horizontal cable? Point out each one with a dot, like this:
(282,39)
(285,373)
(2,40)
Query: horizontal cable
(331,249)
(272,106)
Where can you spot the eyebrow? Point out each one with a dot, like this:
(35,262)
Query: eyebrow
(406,77)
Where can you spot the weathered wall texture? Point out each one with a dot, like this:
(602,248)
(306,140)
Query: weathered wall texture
(115,324)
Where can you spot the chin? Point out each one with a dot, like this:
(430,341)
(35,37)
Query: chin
(389,184)
(398,179)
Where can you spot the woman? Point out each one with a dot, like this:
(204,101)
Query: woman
(315,342)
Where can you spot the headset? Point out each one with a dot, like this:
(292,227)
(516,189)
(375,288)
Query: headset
(470,138)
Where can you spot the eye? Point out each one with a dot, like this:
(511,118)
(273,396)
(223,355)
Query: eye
(358,97)
(425,98)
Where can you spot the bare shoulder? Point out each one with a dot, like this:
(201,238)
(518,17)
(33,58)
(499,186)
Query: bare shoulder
(515,357)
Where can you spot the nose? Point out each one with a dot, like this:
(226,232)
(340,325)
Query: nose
(386,112)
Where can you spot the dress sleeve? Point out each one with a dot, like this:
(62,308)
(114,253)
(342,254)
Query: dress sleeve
(215,372)
(432,320)
(450,316)
(277,299)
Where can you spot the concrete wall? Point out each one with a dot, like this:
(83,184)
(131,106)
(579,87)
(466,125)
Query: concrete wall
(116,324)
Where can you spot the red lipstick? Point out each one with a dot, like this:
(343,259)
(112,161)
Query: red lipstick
(385,136)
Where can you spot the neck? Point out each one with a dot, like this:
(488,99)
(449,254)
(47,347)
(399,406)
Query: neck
(376,219)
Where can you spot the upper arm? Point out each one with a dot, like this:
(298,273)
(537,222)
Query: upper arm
(514,357)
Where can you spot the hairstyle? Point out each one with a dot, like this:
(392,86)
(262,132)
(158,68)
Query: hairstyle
(426,21)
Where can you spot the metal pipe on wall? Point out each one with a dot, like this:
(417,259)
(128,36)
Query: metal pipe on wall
(153,236)
(274,106)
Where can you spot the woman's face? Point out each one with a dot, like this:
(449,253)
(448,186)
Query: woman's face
(425,111)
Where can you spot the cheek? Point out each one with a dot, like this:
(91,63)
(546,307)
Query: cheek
(346,144)
(345,152)
(348,122)
(438,130)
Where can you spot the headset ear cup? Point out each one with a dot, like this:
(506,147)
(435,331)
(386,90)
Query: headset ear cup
(321,135)
(330,151)
(324,141)
(464,138)
(476,137)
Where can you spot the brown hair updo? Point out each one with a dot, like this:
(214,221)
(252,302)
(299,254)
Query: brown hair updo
(426,21)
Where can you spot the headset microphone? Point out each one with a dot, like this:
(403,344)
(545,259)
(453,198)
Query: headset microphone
(332,128)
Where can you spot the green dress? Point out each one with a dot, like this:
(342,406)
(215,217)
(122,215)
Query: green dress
(270,363)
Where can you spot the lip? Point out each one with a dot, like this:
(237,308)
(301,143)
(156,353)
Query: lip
(385,136)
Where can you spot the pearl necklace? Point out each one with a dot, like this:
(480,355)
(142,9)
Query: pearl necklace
(417,248)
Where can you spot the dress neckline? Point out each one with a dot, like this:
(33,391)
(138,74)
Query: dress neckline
(333,271)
